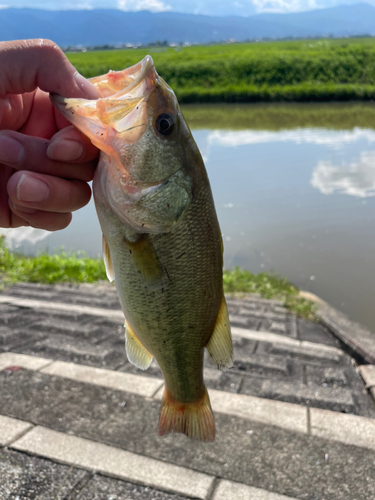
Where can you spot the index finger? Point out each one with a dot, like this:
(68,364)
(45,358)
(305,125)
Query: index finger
(29,64)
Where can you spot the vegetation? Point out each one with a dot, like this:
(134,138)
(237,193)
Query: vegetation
(45,268)
(277,116)
(269,286)
(309,70)
(74,268)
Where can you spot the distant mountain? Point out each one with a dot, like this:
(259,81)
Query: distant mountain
(115,27)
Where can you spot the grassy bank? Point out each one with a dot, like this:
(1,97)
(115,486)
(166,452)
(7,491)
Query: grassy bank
(276,116)
(74,268)
(322,70)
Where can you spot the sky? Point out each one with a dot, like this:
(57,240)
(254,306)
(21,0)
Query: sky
(207,7)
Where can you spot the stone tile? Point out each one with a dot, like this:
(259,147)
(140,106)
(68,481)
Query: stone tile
(143,386)
(338,399)
(316,354)
(29,362)
(240,453)
(33,396)
(263,336)
(113,461)
(227,490)
(222,381)
(368,374)
(105,488)
(252,386)
(10,339)
(262,365)
(67,348)
(25,477)
(267,412)
(11,429)
(243,346)
(314,332)
(331,376)
(37,305)
(349,429)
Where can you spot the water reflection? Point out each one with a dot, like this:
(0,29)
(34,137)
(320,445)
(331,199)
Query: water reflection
(354,179)
(294,190)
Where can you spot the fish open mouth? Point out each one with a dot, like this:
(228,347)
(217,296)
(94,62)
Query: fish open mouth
(121,109)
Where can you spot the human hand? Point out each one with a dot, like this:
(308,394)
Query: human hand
(45,163)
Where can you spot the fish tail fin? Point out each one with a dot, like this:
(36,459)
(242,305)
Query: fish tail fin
(193,419)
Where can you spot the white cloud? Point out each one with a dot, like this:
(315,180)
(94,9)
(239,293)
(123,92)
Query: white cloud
(151,5)
(286,5)
(3,6)
(332,138)
(15,237)
(356,179)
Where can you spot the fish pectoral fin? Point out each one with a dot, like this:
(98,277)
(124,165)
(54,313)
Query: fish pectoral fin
(220,346)
(147,262)
(136,353)
(107,260)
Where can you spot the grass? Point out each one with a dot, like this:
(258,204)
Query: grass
(74,268)
(322,70)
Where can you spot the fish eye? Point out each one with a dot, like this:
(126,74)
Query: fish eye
(165,124)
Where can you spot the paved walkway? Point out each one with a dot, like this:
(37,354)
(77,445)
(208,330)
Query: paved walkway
(295,417)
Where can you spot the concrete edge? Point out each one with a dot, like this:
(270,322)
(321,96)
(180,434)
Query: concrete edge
(359,340)
(296,418)
(128,466)
(230,490)
(115,462)
(367,373)
(12,429)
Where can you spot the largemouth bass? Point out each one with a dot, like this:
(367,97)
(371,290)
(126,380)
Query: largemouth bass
(161,239)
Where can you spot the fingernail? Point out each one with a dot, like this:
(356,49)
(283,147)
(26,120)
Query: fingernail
(87,89)
(64,150)
(31,189)
(11,150)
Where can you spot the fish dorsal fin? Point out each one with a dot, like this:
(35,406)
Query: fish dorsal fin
(108,261)
(147,262)
(136,353)
(220,346)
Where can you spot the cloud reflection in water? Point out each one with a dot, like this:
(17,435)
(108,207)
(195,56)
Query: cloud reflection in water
(355,179)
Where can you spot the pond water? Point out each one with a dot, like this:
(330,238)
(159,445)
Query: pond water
(294,187)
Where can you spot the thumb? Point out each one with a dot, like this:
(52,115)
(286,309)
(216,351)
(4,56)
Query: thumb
(29,64)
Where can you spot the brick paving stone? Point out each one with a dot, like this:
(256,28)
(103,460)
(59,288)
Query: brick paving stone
(335,399)
(66,348)
(262,364)
(105,488)
(315,332)
(317,356)
(296,466)
(331,376)
(24,477)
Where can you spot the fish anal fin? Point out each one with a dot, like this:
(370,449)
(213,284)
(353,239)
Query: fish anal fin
(136,353)
(108,261)
(146,261)
(220,346)
(193,419)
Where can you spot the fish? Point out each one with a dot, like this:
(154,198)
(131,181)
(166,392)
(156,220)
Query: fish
(162,243)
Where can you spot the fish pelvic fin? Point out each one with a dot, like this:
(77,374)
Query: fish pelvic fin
(107,260)
(193,419)
(220,346)
(136,353)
